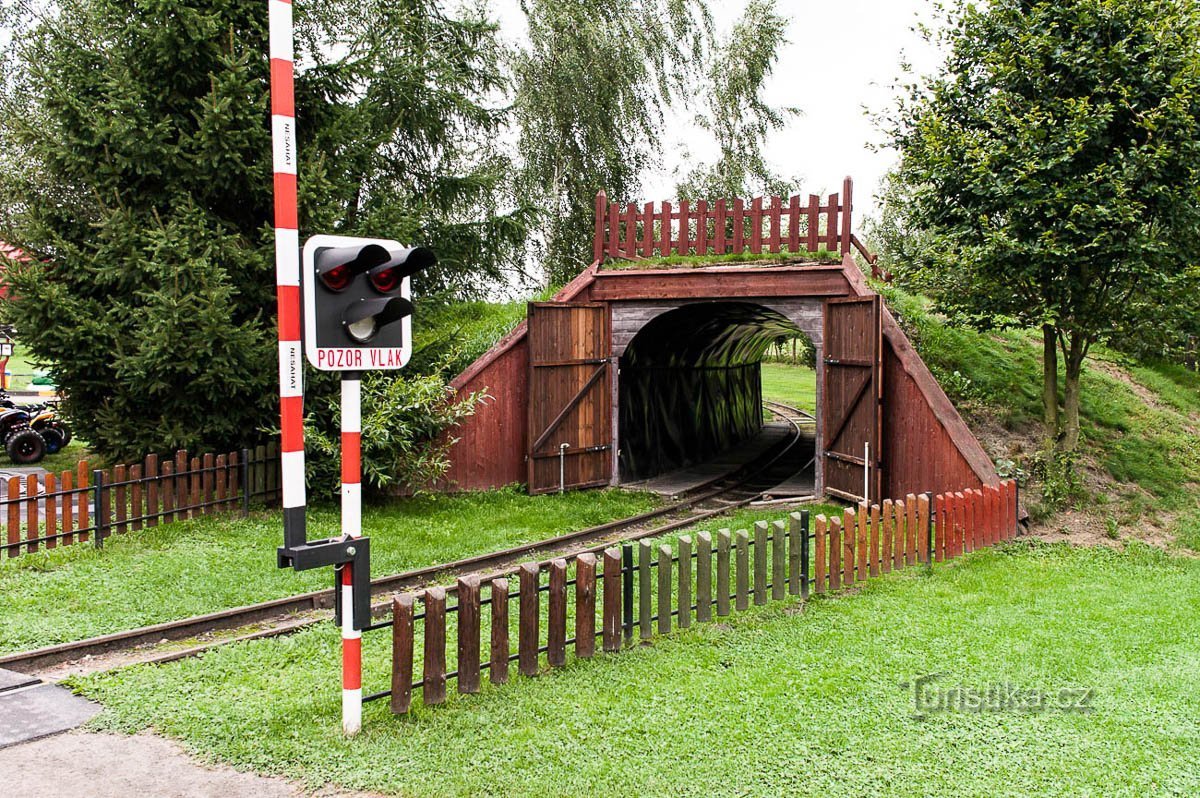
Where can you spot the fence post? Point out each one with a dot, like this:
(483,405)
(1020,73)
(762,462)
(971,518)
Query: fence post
(99,517)
(925,512)
(402,653)
(704,597)
(245,482)
(498,668)
(527,620)
(627,591)
(612,600)
(803,553)
(645,608)
(468,634)
(585,605)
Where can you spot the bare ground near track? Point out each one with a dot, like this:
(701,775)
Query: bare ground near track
(79,764)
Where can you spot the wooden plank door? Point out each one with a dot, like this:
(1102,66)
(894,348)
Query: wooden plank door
(570,396)
(853,398)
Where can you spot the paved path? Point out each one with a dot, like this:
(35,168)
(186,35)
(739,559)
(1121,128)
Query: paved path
(87,765)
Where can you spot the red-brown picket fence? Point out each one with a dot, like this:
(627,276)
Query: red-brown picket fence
(608,595)
(773,225)
(82,505)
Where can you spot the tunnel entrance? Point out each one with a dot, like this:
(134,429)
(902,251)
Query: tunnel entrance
(691,384)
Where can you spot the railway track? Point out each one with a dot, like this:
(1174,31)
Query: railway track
(187,637)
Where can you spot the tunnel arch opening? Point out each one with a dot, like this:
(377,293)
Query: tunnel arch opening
(691,383)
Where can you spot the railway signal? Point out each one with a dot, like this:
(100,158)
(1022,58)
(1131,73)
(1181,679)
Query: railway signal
(357,306)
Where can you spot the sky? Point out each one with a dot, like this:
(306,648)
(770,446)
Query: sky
(839,65)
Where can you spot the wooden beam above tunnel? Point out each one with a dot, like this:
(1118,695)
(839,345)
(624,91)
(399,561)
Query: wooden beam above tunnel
(719,283)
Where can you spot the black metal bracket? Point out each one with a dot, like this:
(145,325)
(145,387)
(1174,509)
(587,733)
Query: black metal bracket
(355,552)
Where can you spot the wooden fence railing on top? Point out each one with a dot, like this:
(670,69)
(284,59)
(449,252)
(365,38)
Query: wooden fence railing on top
(773,225)
(610,599)
(84,505)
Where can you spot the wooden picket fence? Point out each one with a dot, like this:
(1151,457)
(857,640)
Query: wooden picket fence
(606,598)
(85,505)
(773,225)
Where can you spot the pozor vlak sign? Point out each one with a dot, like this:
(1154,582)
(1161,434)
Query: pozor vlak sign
(357,302)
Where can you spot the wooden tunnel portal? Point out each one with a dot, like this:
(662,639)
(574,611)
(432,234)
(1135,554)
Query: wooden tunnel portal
(634,369)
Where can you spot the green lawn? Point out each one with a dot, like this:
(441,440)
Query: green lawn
(791,385)
(184,569)
(772,702)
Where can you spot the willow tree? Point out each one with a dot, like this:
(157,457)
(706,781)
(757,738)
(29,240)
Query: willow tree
(735,111)
(1054,164)
(591,84)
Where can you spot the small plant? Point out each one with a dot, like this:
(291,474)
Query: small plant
(1112,530)
(1059,480)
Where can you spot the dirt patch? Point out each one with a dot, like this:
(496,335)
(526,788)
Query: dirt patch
(119,766)
(1091,528)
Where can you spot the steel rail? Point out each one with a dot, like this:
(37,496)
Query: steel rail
(737,489)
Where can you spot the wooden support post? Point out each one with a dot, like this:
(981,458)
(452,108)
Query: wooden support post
(873,553)
(849,546)
(925,524)
(778,560)
(197,490)
(468,634)
(612,600)
(207,479)
(862,541)
(402,651)
(585,605)
(168,492)
(498,662)
(910,527)
(742,600)
(723,545)
(119,477)
(13,497)
(760,562)
(136,507)
(685,582)
(556,632)
(798,553)
(434,673)
(942,531)
(82,482)
(51,511)
(820,559)
(152,505)
(645,591)
(835,554)
(220,481)
(703,577)
(665,556)
(527,621)
(68,508)
(32,522)
(888,537)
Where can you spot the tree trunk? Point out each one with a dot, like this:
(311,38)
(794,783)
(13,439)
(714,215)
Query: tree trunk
(1050,384)
(1076,350)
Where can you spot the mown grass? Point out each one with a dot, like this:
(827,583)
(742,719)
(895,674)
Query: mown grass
(769,702)
(189,568)
(764,258)
(1153,447)
(792,385)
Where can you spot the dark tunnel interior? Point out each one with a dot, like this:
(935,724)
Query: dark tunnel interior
(691,384)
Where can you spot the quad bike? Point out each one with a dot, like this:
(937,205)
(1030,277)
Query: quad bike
(23,443)
(44,420)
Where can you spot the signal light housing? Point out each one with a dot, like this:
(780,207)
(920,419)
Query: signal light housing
(357,306)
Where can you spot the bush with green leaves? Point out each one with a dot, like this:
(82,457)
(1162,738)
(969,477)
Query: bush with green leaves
(404,419)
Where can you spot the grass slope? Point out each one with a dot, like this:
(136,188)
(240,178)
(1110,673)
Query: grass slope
(1140,444)
(772,702)
(214,563)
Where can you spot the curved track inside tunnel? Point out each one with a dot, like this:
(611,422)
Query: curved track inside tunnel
(286,615)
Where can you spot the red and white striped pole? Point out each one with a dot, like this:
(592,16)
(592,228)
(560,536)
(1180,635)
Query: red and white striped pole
(351,528)
(287,270)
